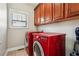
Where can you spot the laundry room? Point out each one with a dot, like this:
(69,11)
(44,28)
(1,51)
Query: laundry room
(39,29)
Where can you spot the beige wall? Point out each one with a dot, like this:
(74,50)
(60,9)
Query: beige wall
(67,27)
(15,35)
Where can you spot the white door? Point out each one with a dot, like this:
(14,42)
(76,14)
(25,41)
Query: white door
(37,49)
(3,27)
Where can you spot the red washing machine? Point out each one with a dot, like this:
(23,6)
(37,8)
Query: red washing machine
(30,42)
(49,44)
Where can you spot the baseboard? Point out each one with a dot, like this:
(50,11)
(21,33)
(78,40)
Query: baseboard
(5,54)
(14,48)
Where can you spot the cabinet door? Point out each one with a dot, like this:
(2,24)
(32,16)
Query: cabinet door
(72,9)
(37,15)
(42,13)
(58,11)
(3,28)
(48,12)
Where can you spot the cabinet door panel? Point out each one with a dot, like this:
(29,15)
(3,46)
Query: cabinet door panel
(58,11)
(42,20)
(72,9)
(37,15)
(48,12)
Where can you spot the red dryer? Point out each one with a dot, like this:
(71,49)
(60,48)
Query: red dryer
(30,42)
(49,44)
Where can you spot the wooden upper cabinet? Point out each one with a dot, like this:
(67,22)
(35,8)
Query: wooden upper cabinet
(58,11)
(51,12)
(48,12)
(72,9)
(37,15)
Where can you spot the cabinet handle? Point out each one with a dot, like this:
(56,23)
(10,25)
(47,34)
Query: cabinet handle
(48,20)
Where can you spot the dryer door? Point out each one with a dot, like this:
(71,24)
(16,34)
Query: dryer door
(37,49)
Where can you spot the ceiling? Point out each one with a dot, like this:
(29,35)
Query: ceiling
(33,5)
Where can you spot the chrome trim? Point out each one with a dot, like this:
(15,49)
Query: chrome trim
(36,42)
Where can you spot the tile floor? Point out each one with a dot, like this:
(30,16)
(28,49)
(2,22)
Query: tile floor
(20,52)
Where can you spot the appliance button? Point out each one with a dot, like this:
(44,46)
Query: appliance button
(37,36)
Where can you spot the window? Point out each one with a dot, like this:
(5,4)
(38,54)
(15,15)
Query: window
(18,19)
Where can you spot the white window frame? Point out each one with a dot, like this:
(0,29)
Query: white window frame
(11,11)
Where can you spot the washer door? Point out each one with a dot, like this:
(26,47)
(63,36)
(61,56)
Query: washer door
(37,49)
